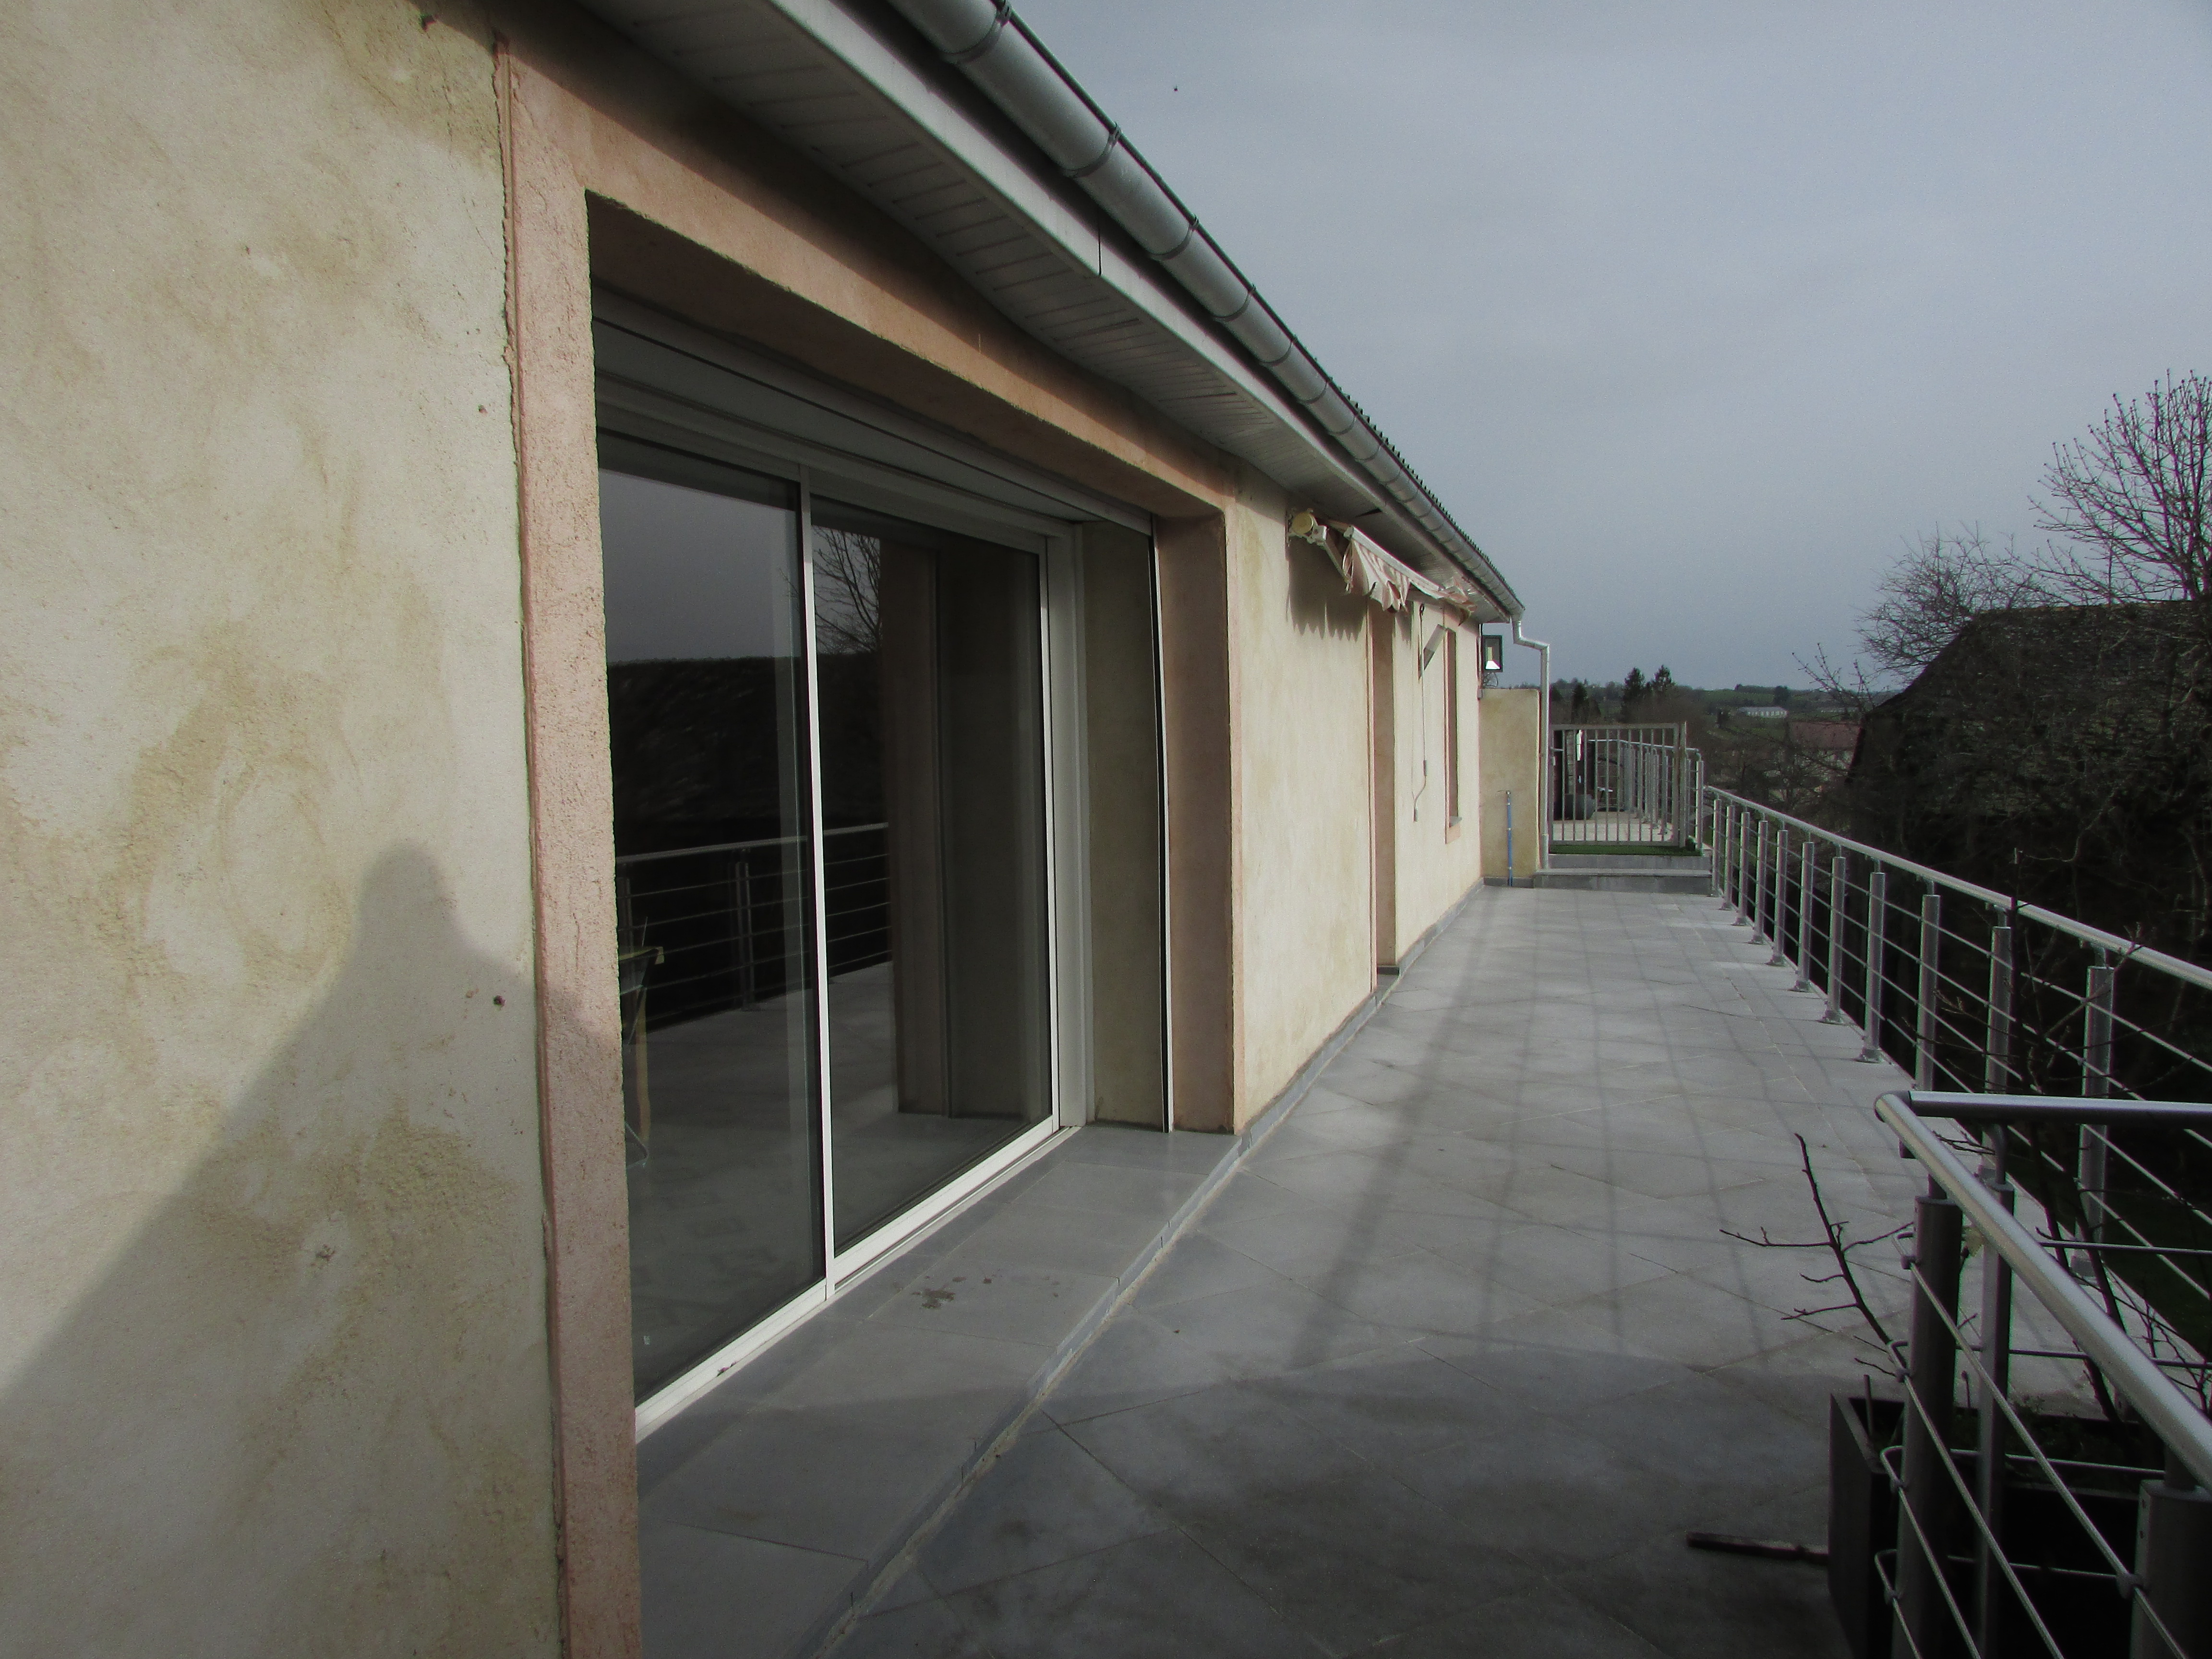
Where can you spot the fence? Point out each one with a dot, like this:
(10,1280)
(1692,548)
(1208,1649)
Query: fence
(718,927)
(1623,787)
(706,930)
(2008,1538)
(1974,993)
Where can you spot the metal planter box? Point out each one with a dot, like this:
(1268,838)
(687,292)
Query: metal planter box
(2061,1568)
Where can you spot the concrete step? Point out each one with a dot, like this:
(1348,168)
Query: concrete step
(1693,879)
(1649,863)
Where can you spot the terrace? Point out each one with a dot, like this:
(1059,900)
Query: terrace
(1450,1354)
(1460,1344)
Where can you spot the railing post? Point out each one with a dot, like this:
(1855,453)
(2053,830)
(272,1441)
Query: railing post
(1996,1047)
(748,964)
(1929,991)
(1840,893)
(1682,790)
(1781,930)
(1924,1517)
(2173,1567)
(1743,865)
(1709,828)
(1805,919)
(1759,883)
(1877,925)
(2096,1084)
(1991,1441)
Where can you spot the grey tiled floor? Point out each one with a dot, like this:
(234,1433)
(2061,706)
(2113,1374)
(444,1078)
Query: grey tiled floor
(1453,1362)
(775,1499)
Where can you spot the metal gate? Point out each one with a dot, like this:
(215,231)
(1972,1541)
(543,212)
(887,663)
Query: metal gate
(1621,785)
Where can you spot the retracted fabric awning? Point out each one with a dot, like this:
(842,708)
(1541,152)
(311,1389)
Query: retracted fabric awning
(1375,574)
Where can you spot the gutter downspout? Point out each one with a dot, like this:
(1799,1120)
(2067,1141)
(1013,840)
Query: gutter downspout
(1543,650)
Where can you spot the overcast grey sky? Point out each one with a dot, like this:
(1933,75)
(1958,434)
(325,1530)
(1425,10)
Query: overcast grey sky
(1694,314)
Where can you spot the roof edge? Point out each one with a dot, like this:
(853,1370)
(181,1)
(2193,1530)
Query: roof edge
(997,52)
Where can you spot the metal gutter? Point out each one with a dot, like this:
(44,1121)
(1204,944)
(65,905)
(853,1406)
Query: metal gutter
(1543,650)
(996,51)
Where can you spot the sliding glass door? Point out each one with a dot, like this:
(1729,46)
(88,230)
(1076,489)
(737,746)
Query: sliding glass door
(829,746)
(933,800)
(714,874)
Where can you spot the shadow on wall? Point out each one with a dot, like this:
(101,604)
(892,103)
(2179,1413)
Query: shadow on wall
(304,1408)
(1318,601)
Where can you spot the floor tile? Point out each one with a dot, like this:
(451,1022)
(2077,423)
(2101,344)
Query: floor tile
(1714,1435)
(1551,1493)
(1389,1404)
(708,1594)
(1200,1265)
(1692,1604)
(1417,1292)
(1134,1361)
(1539,1622)
(850,1483)
(1450,1366)
(1198,1453)
(1547,1377)
(923,1630)
(1350,1559)
(1266,1329)
(981,1289)
(1046,1499)
(1160,1597)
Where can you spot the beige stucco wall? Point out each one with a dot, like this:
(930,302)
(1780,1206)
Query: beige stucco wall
(1121,751)
(1437,859)
(1510,740)
(272,1364)
(273,1356)
(1304,934)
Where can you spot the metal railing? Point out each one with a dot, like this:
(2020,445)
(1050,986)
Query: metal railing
(1618,787)
(708,929)
(2018,1543)
(2079,1032)
(717,925)
(1967,990)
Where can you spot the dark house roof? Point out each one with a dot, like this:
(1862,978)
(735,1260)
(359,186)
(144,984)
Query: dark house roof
(2056,752)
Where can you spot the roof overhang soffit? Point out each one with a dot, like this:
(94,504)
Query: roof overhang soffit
(1181,328)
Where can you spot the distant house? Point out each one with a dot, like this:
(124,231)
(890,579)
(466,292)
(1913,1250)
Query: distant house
(1829,737)
(1764,712)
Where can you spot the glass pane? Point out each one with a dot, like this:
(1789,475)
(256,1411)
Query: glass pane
(932,800)
(713,890)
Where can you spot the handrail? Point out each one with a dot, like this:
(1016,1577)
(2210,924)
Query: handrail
(2056,1108)
(2126,950)
(741,846)
(2163,1407)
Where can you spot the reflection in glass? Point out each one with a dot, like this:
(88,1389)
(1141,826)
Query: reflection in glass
(930,680)
(706,711)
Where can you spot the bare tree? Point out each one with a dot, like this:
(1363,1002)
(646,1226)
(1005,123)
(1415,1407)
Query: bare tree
(2132,500)
(2132,497)
(1845,685)
(1939,585)
(1943,582)
(848,573)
